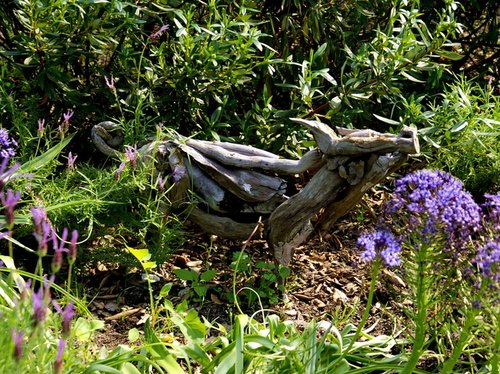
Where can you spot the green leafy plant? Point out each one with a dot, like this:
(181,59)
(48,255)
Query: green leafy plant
(261,280)
(198,280)
(461,128)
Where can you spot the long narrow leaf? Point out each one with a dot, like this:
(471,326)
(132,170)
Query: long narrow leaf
(42,160)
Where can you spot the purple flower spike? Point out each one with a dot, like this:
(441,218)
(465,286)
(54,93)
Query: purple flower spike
(7,145)
(9,202)
(119,171)
(17,339)
(71,160)
(39,307)
(7,174)
(492,208)
(67,315)
(161,183)
(380,243)
(131,155)
(72,247)
(58,364)
(488,260)
(59,249)
(67,116)
(41,126)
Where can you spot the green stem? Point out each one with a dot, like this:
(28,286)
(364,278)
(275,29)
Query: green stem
(459,346)
(496,349)
(366,314)
(421,320)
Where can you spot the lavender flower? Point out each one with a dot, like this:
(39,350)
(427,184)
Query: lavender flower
(434,202)
(63,127)
(161,183)
(110,83)
(71,160)
(39,307)
(7,145)
(488,260)
(58,364)
(119,171)
(41,126)
(131,155)
(42,229)
(380,243)
(159,32)
(67,315)
(59,249)
(7,174)
(17,339)
(9,202)
(72,247)
(67,116)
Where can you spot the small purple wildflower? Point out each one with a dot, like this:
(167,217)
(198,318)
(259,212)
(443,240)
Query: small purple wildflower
(7,174)
(178,173)
(158,33)
(17,339)
(380,243)
(131,155)
(488,260)
(67,315)
(492,208)
(119,171)
(9,202)
(42,229)
(39,307)
(161,183)
(63,127)
(41,126)
(67,116)
(71,160)
(7,145)
(59,249)
(434,202)
(58,364)
(72,247)
(110,82)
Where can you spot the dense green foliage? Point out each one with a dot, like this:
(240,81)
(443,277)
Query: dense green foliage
(237,71)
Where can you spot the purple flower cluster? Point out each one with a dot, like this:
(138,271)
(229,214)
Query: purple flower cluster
(7,145)
(492,211)
(488,260)
(432,203)
(380,243)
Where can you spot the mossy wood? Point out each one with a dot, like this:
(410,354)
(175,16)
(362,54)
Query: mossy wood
(237,187)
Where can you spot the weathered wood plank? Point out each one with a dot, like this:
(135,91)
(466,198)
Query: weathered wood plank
(248,185)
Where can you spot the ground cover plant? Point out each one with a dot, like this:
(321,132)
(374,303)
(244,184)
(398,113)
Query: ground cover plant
(421,252)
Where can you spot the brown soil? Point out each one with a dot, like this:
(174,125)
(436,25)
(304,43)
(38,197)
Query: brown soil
(326,282)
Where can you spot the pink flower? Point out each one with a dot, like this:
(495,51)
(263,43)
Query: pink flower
(110,83)
(71,160)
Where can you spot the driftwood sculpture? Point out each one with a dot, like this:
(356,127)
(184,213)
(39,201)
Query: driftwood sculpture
(238,186)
